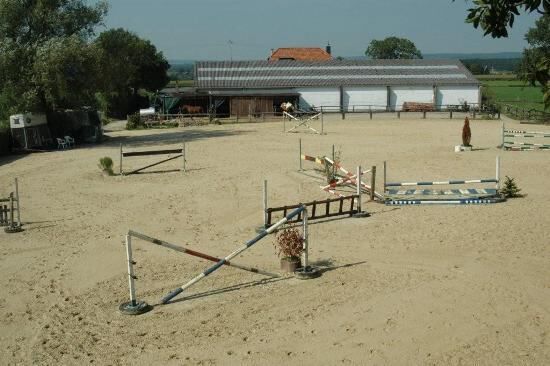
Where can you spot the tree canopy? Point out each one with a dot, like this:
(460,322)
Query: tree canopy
(495,16)
(393,48)
(49,58)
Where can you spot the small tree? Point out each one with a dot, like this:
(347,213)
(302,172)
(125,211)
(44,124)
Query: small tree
(510,189)
(106,165)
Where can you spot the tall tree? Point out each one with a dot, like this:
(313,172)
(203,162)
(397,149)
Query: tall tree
(496,16)
(34,33)
(129,64)
(393,48)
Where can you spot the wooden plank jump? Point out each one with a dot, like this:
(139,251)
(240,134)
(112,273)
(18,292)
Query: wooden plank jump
(181,153)
(317,209)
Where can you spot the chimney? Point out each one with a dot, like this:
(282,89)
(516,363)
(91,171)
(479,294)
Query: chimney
(329,48)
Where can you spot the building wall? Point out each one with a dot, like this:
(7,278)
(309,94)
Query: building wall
(365,97)
(317,97)
(417,93)
(456,94)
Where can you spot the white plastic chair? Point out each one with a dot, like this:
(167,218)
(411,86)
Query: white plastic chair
(69,140)
(61,144)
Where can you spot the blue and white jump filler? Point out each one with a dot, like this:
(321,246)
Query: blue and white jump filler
(461,195)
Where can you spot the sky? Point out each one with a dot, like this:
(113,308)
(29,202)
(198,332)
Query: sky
(249,29)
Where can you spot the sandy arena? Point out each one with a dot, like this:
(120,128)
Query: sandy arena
(423,285)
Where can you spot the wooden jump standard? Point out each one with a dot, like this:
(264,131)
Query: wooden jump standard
(314,212)
(7,211)
(180,152)
(244,247)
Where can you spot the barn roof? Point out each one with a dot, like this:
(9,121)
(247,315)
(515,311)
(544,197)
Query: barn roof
(285,74)
(300,54)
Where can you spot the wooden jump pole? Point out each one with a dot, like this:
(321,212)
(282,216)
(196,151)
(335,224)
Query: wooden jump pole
(244,247)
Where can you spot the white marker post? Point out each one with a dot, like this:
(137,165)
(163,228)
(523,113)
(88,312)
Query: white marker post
(498,173)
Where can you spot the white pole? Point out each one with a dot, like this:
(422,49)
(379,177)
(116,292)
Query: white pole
(265,203)
(498,173)
(305,237)
(384,178)
(358,184)
(120,165)
(131,276)
(183,152)
(18,204)
(300,148)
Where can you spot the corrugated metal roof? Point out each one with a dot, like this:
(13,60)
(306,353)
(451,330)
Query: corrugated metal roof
(281,74)
(301,54)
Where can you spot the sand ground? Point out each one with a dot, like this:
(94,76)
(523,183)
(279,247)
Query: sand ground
(424,285)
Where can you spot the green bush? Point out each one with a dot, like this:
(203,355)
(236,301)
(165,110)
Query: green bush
(134,122)
(106,165)
(510,189)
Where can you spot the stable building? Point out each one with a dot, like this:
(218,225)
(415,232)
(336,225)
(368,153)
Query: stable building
(253,87)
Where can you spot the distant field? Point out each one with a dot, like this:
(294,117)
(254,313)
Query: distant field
(180,83)
(509,90)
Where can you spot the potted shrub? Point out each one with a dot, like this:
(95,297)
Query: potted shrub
(289,245)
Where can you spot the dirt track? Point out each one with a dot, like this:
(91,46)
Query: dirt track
(444,285)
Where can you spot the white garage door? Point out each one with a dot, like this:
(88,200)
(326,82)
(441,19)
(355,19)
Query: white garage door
(365,98)
(328,98)
(455,95)
(402,94)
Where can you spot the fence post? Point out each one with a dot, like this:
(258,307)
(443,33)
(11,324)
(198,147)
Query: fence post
(358,188)
(183,153)
(399,114)
(322,124)
(305,237)
(370,113)
(451,114)
(424,114)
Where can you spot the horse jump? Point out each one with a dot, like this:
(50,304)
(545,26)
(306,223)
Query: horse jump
(519,145)
(7,211)
(462,195)
(344,177)
(181,154)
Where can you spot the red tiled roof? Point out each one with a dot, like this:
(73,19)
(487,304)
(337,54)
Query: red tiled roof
(301,54)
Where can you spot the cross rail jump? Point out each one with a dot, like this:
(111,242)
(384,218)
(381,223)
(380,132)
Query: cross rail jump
(302,120)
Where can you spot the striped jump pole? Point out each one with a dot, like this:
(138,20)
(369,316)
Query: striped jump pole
(133,307)
(244,247)
(517,145)
(194,253)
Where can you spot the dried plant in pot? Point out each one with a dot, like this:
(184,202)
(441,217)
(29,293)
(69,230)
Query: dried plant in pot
(289,245)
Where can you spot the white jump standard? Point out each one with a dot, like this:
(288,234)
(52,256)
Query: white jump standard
(463,195)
